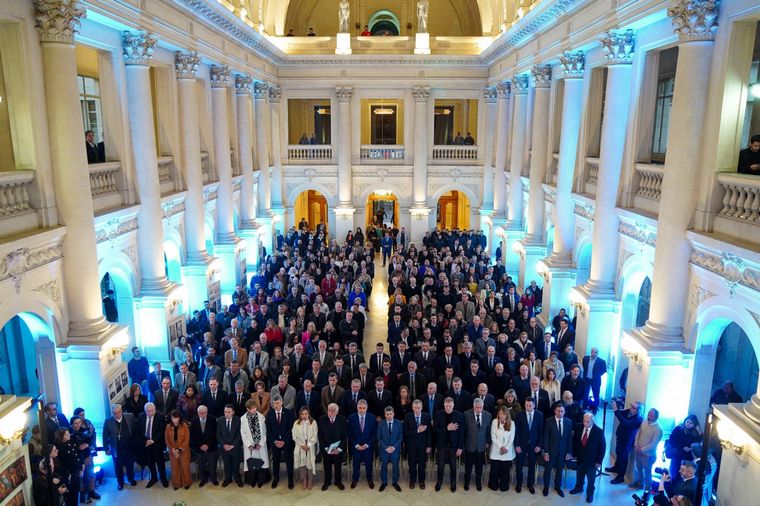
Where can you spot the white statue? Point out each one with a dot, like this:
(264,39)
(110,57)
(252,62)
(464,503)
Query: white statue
(422,15)
(344,12)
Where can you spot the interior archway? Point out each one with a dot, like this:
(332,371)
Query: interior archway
(120,303)
(382,209)
(27,357)
(584,264)
(384,22)
(735,353)
(453,211)
(172,262)
(310,206)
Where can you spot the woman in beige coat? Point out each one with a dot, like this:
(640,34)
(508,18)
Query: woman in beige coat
(306,440)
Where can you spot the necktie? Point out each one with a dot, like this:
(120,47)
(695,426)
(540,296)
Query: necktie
(307,399)
(279,415)
(240,398)
(148,430)
(165,394)
(361,423)
(530,420)
(213,396)
(355,399)
(490,363)
(184,380)
(585,437)
(411,384)
(234,355)
(418,421)
(389,427)
(478,420)
(548,349)
(535,399)
(559,427)
(229,426)
(431,402)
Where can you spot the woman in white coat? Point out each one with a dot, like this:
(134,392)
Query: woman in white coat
(253,431)
(502,450)
(305,436)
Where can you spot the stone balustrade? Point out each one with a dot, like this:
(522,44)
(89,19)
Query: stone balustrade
(741,200)
(650,183)
(455,153)
(167,174)
(311,152)
(104,178)
(393,153)
(236,170)
(590,175)
(14,192)
(206,170)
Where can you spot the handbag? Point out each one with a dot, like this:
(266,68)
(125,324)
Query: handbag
(254,464)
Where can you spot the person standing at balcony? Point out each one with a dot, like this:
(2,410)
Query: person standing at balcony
(469,141)
(290,33)
(94,153)
(311,33)
(366,32)
(749,159)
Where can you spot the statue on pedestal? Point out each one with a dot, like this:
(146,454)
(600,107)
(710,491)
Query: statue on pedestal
(344,12)
(422,15)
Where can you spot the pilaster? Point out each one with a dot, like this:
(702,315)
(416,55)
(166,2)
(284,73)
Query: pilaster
(503,93)
(343,130)
(419,187)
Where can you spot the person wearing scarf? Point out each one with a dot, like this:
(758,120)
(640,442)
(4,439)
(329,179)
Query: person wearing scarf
(253,431)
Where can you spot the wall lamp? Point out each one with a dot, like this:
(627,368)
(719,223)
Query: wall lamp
(116,351)
(542,270)
(632,356)
(754,90)
(730,438)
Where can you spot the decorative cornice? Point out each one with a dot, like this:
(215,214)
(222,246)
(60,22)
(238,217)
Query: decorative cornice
(58,20)
(489,94)
(186,64)
(114,228)
(137,47)
(220,76)
(694,19)
(53,292)
(733,269)
(503,90)
(639,232)
(520,84)
(541,75)
(171,208)
(421,94)
(585,211)
(260,90)
(18,262)
(619,46)
(243,84)
(275,94)
(572,64)
(344,94)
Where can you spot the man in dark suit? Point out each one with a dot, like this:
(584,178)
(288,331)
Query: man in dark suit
(565,335)
(214,399)
(362,431)
(529,429)
(280,438)
(462,398)
(238,398)
(209,370)
(588,449)
(426,360)
(299,363)
(118,441)
(376,359)
(352,359)
(448,427)
(379,399)
(203,445)
(414,380)
(477,423)
(390,435)
(432,401)
(150,442)
(54,420)
(473,377)
(489,402)
(308,397)
(593,370)
(316,375)
(447,359)
(228,436)
(366,380)
(165,397)
(352,398)
(400,358)
(343,373)
(155,378)
(558,448)
(94,152)
(332,429)
(540,397)
(395,328)
(546,347)
(574,383)
(418,438)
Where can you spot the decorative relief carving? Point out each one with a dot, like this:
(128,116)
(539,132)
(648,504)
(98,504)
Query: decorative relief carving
(639,232)
(755,316)
(503,90)
(344,93)
(220,76)
(734,270)
(260,90)
(573,64)
(186,64)
(520,84)
(421,94)
(585,211)
(619,46)
(53,292)
(694,19)
(243,84)
(58,20)
(209,195)
(623,256)
(18,262)
(541,76)
(489,93)
(131,253)
(137,47)
(114,228)
(171,208)
(275,93)
(697,295)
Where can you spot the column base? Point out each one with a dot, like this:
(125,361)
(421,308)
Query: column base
(420,223)
(233,266)
(487,229)
(530,255)
(156,286)
(264,223)
(344,43)
(159,321)
(513,233)
(422,43)
(250,234)
(198,277)
(558,281)
(344,221)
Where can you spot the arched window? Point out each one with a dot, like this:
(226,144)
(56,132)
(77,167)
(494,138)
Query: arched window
(384,22)
(645,297)
(736,361)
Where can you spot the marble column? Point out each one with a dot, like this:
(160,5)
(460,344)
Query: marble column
(532,247)
(275,93)
(196,271)
(499,217)
(600,317)
(264,209)
(695,23)
(560,268)
(486,207)
(248,230)
(344,212)
(81,287)
(515,226)
(153,305)
(228,247)
(420,210)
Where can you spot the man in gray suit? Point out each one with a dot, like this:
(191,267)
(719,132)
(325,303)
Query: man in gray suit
(184,378)
(477,431)
(258,357)
(119,441)
(285,391)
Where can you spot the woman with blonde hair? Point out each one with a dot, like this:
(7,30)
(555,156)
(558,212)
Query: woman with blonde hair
(502,450)
(305,436)
(551,384)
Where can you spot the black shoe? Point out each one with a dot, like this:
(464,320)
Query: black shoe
(546,492)
(398,489)
(353,484)
(559,492)
(382,487)
(240,483)
(291,485)
(340,486)
(324,487)
(165,483)
(275,482)
(453,488)
(576,491)
(618,479)
(422,485)
(531,489)
(225,483)
(94,495)
(466,487)
(479,487)
(589,499)
(438,486)
(215,483)
(518,489)
(176,488)
(203,482)
(150,483)
(411,485)
(133,483)
(371,484)
(120,486)
(187,487)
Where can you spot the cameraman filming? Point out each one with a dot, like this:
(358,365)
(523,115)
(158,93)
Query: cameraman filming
(629,423)
(682,493)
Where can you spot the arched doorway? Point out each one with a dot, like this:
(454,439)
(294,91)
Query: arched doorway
(27,357)
(549,239)
(453,211)
(735,360)
(584,264)
(172,262)
(208,235)
(645,297)
(384,22)
(311,206)
(117,278)
(382,209)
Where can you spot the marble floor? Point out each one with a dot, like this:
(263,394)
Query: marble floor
(233,496)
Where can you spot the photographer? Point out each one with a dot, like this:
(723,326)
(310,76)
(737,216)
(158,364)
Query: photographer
(682,493)
(629,421)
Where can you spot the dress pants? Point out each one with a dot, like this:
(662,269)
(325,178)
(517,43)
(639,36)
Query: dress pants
(524,458)
(393,458)
(332,464)
(206,462)
(499,476)
(447,456)
(231,461)
(476,459)
(123,459)
(417,464)
(279,455)
(367,458)
(589,476)
(622,451)
(644,465)
(556,468)
(154,460)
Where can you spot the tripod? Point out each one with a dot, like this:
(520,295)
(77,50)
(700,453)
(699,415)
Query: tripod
(600,471)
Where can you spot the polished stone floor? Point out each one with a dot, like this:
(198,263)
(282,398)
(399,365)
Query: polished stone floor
(376,331)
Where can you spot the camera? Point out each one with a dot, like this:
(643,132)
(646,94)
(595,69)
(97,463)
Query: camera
(661,470)
(639,501)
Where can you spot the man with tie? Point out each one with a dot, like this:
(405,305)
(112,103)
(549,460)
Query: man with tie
(317,375)
(156,377)
(352,398)
(390,435)
(362,430)
(228,436)
(342,372)
(491,360)
(448,359)
(235,353)
(593,370)
(166,397)
(184,378)
(414,380)
(332,393)
(209,370)
(203,445)
(332,429)
(588,449)
(379,399)
(376,361)
(239,398)
(539,395)
(353,358)
(529,426)
(462,399)
(477,430)
(150,442)
(279,423)
(418,438)
(432,401)
(258,358)
(426,360)
(308,397)
(214,398)
(54,420)
(298,362)
(488,400)
(394,330)
(565,336)
(557,447)
(326,358)
(365,381)
(448,426)
(545,349)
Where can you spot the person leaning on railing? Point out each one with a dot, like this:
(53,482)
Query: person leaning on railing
(749,159)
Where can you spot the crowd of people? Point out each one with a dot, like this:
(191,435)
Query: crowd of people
(280,378)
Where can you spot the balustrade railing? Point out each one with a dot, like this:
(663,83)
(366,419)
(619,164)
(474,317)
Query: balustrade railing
(741,200)
(311,152)
(377,153)
(443,152)
(104,178)
(206,170)
(650,182)
(14,192)
(590,175)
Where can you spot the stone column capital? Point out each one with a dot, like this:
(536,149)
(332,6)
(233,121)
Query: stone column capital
(344,93)
(275,94)
(220,76)
(694,19)
(421,94)
(137,47)
(243,84)
(573,64)
(58,20)
(260,90)
(503,90)
(520,83)
(489,93)
(619,46)
(541,76)
(186,64)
